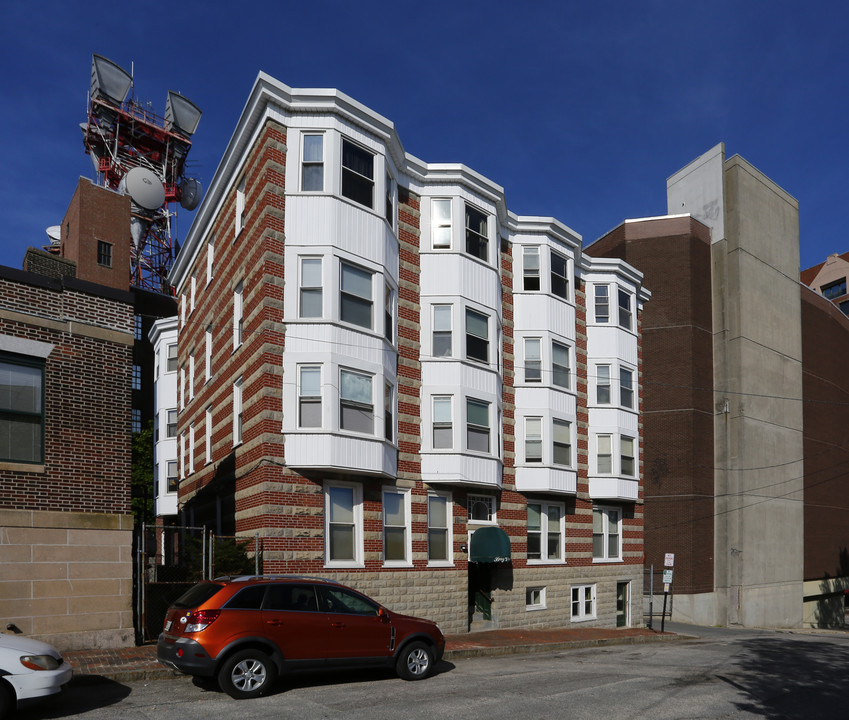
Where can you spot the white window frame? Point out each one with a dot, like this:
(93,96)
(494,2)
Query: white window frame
(172,478)
(192,294)
(389,200)
(602,534)
(579,596)
(555,422)
(557,369)
(531,268)
(312,290)
(484,338)
(238,314)
(441,424)
(626,388)
(602,440)
(191,375)
(448,529)
(210,258)
(182,388)
(405,526)
(389,313)
(601,301)
(191,464)
(359,178)
(439,224)
(171,357)
(487,501)
(356,525)
(475,235)
(624,459)
(355,404)
(207,440)
(603,387)
(207,353)
(533,360)
(353,297)
(238,411)
(477,427)
(535,598)
(442,312)
(556,276)
(625,312)
(388,412)
(311,163)
(304,399)
(545,532)
(171,426)
(533,439)
(240,206)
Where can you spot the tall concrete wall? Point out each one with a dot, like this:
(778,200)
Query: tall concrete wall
(759,520)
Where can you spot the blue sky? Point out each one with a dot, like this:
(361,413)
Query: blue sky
(580,110)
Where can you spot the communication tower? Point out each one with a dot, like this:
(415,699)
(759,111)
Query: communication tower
(139,154)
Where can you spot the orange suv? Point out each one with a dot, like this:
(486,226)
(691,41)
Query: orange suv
(245,631)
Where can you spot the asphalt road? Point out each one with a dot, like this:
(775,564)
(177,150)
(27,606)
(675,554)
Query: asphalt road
(723,674)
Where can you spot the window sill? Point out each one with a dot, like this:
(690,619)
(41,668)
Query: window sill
(606,561)
(547,562)
(535,608)
(394,564)
(440,563)
(338,565)
(37,468)
(588,618)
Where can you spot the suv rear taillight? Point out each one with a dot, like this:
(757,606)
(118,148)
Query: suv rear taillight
(200,620)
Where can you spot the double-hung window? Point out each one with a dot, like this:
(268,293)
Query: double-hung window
(545,531)
(357,174)
(309,396)
(604,456)
(343,524)
(477,336)
(443,429)
(533,360)
(559,277)
(171,423)
(207,426)
(440,222)
(602,384)
(626,456)
(237,412)
(356,296)
(207,353)
(104,253)
(396,527)
(312,164)
(390,201)
(477,240)
(562,442)
(171,477)
(191,375)
(533,439)
(477,425)
(21,409)
(624,310)
(530,267)
(238,314)
(171,358)
(210,258)
(388,313)
(442,331)
(438,528)
(602,304)
(607,533)
(310,289)
(560,368)
(356,401)
(626,388)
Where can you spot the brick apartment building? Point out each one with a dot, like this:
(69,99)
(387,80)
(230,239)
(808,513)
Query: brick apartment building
(744,406)
(400,384)
(65,522)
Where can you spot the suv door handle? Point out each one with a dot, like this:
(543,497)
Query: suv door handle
(337,625)
(274,622)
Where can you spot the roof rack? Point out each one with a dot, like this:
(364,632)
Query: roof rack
(246,578)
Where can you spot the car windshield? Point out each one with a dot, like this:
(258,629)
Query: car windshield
(197,595)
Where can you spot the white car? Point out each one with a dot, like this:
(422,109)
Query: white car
(28,669)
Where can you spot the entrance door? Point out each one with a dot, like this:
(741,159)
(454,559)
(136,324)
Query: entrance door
(623,592)
(480,589)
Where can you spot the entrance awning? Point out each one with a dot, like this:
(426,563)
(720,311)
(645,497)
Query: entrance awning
(489,545)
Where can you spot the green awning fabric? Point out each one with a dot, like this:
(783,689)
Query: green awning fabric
(489,545)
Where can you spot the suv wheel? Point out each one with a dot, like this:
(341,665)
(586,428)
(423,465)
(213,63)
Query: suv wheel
(247,674)
(415,662)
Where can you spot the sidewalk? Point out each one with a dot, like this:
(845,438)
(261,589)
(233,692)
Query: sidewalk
(139,663)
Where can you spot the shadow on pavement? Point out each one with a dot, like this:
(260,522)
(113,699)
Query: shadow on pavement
(80,696)
(793,680)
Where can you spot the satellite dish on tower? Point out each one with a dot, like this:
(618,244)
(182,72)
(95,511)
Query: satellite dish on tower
(54,232)
(144,188)
(190,193)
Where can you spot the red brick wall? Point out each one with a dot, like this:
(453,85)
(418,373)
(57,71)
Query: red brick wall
(677,378)
(825,387)
(87,395)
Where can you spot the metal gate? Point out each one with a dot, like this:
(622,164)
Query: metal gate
(169,560)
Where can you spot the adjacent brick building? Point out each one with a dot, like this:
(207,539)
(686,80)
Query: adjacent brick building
(399,383)
(65,523)
(745,403)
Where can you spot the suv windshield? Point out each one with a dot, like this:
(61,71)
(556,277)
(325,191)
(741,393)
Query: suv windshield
(197,595)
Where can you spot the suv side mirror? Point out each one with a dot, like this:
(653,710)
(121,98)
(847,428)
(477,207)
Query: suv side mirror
(383,614)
